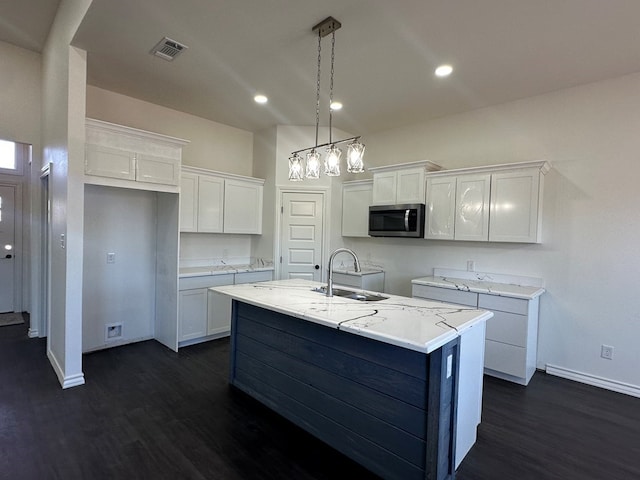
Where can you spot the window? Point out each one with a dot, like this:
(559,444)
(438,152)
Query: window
(13,156)
(7,155)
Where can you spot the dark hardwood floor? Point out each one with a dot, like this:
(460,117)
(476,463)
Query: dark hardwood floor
(149,413)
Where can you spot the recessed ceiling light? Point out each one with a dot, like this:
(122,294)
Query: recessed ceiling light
(444,70)
(259,98)
(335,105)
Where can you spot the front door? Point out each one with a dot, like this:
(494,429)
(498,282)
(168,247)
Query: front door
(7,247)
(301,248)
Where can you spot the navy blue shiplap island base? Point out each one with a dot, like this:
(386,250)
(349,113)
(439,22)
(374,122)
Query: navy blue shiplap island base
(377,381)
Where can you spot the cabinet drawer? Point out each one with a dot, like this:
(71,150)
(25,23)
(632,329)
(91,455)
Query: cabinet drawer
(505,358)
(503,304)
(445,295)
(205,281)
(251,277)
(507,328)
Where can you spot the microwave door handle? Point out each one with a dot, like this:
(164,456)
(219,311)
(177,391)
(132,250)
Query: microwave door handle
(406,220)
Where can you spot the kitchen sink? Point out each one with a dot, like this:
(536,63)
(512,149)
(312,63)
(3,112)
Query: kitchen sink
(360,296)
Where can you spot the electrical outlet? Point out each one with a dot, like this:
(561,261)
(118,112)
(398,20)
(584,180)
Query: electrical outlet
(471,266)
(111,258)
(606,351)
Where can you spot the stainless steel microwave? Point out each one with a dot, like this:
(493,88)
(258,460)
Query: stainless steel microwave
(405,220)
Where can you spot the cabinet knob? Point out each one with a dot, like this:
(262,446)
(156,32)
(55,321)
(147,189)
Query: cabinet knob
(317,267)
(11,256)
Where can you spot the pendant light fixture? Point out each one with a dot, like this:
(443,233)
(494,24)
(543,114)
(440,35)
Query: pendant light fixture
(355,149)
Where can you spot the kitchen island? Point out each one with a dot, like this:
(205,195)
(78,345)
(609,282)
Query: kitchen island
(375,380)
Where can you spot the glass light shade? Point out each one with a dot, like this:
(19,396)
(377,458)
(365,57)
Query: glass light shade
(332,161)
(355,154)
(313,165)
(295,168)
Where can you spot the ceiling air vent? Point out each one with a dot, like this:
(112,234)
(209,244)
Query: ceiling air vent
(168,49)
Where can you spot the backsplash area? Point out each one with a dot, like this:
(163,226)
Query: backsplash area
(198,249)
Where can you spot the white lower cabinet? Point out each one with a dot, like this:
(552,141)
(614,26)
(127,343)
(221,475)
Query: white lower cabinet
(192,317)
(512,334)
(372,281)
(205,315)
(218,316)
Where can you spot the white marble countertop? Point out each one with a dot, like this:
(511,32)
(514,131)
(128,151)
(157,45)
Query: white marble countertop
(222,269)
(411,323)
(490,283)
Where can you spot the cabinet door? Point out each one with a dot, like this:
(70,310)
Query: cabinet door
(242,207)
(109,162)
(210,201)
(441,208)
(152,169)
(192,317)
(410,185)
(384,188)
(514,206)
(355,210)
(219,313)
(472,207)
(188,202)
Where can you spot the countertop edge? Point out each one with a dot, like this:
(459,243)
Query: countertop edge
(466,286)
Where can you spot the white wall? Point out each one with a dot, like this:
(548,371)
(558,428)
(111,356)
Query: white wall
(264,166)
(212,145)
(201,249)
(63,107)
(21,99)
(588,256)
(123,222)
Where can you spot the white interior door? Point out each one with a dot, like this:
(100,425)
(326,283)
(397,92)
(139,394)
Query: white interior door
(7,248)
(301,236)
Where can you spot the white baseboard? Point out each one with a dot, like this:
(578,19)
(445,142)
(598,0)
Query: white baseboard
(33,332)
(65,381)
(605,383)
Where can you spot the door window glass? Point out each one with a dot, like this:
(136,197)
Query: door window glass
(7,155)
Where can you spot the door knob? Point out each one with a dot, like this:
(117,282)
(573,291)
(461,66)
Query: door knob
(317,267)
(11,256)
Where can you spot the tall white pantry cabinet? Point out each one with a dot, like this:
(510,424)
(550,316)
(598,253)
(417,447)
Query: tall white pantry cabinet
(130,258)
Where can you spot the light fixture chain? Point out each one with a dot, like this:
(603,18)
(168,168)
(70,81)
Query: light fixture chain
(333,56)
(318,86)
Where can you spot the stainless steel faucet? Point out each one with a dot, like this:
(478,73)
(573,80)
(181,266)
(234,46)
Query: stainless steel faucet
(356,266)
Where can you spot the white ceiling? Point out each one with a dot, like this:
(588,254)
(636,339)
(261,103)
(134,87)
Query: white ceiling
(386,52)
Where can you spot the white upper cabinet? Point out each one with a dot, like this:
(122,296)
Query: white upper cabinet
(500,203)
(384,188)
(215,202)
(154,169)
(402,183)
(109,162)
(356,198)
(440,208)
(516,206)
(410,185)
(472,207)
(189,202)
(243,206)
(121,156)
(210,201)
